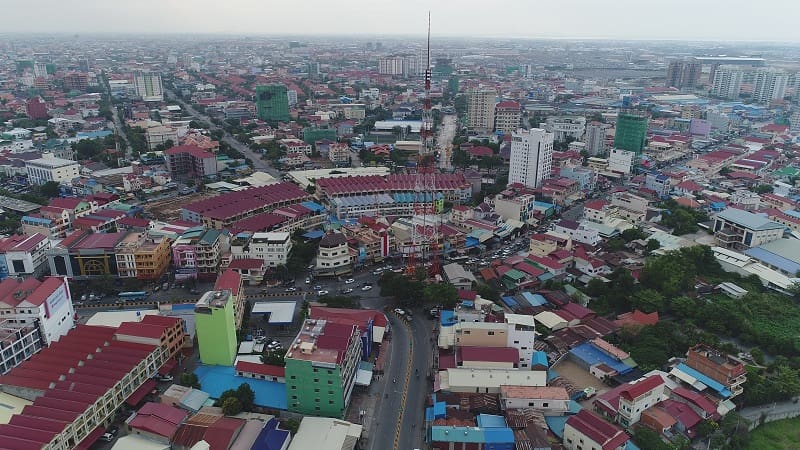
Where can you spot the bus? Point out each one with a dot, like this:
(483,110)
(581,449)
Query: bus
(132,296)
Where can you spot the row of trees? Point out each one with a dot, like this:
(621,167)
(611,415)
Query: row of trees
(234,401)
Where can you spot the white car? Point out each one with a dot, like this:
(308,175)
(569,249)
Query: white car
(366,288)
(399,311)
(349,281)
(347,291)
(321,293)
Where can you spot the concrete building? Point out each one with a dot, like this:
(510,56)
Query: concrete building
(769,85)
(586,430)
(50,168)
(160,135)
(18,344)
(683,73)
(727,82)
(488,381)
(321,433)
(148,86)
(564,128)
(637,397)
(142,256)
(272,103)
(339,153)
(23,255)
(321,366)
(738,229)
(191,162)
(552,401)
(520,207)
(197,253)
(215,327)
(621,161)
(273,247)
(45,305)
(76,385)
(333,255)
(578,232)
(631,132)
(531,157)
(595,138)
(507,117)
(718,366)
(630,206)
(230,280)
(480,109)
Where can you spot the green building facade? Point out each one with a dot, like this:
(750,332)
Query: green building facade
(631,133)
(311,135)
(320,381)
(272,103)
(215,326)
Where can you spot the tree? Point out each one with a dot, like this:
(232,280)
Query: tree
(758,355)
(189,380)
(246,396)
(616,244)
(274,358)
(648,301)
(231,406)
(763,189)
(443,294)
(652,245)
(168,144)
(291,425)
(50,189)
(487,292)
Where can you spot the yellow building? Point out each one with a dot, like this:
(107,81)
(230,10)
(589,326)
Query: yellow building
(142,256)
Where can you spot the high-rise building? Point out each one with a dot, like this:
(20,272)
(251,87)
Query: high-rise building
(272,103)
(215,326)
(480,109)
(321,366)
(507,116)
(727,82)
(531,157)
(390,65)
(83,65)
(683,73)
(631,132)
(401,65)
(769,85)
(291,96)
(595,138)
(148,86)
(40,70)
(566,128)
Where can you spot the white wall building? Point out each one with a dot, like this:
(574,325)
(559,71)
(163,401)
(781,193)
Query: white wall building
(621,161)
(551,400)
(148,86)
(25,255)
(333,255)
(769,85)
(46,304)
(531,157)
(595,138)
(42,170)
(566,127)
(272,247)
(578,232)
(727,82)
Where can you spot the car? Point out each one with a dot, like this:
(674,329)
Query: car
(399,311)
(106,437)
(165,377)
(274,346)
(347,291)
(291,289)
(377,271)
(317,287)
(349,281)
(366,288)
(322,292)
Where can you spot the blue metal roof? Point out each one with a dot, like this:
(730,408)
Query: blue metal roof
(711,383)
(539,359)
(314,206)
(313,234)
(771,259)
(534,299)
(447,318)
(503,435)
(509,301)
(592,355)
(556,424)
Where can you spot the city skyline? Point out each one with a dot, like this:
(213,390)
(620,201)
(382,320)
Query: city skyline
(573,19)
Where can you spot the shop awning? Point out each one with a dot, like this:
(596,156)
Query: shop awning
(139,394)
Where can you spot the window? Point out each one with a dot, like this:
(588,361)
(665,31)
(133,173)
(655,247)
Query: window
(316,380)
(544,405)
(294,388)
(490,333)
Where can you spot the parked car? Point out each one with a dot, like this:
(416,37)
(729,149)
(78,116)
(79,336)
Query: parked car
(399,311)
(349,281)
(291,289)
(347,291)
(318,287)
(323,292)
(366,288)
(308,280)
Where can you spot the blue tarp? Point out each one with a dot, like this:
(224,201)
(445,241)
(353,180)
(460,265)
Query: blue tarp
(217,379)
(712,384)
(447,318)
(592,355)
(471,242)
(313,234)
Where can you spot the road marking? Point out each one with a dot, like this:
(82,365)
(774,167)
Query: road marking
(405,386)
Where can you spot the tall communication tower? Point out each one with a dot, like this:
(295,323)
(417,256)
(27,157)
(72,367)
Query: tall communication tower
(425,235)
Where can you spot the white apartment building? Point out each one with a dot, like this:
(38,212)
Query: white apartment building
(148,86)
(727,82)
(291,95)
(25,255)
(769,85)
(17,344)
(630,206)
(566,127)
(551,400)
(531,157)
(333,255)
(271,247)
(480,109)
(339,153)
(739,229)
(516,208)
(578,232)
(621,161)
(160,135)
(46,305)
(639,396)
(50,168)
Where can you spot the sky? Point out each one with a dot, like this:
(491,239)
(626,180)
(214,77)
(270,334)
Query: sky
(715,20)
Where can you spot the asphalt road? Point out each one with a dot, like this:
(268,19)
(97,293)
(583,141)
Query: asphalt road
(445,138)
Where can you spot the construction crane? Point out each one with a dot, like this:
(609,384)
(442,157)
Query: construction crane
(425,236)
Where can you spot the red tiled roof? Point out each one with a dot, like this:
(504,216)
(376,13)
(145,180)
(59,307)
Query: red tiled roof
(221,433)
(21,242)
(631,391)
(696,398)
(240,202)
(261,369)
(141,329)
(246,264)
(357,317)
(164,321)
(43,291)
(591,425)
(230,279)
(158,418)
(508,104)
(193,150)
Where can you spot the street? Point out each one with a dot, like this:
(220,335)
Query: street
(258,163)
(445,139)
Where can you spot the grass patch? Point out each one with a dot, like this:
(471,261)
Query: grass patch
(780,435)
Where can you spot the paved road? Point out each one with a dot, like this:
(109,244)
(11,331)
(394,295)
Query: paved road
(411,431)
(445,138)
(258,163)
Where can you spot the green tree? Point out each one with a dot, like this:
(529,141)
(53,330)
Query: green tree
(246,396)
(274,358)
(443,294)
(189,380)
(648,300)
(763,189)
(50,189)
(291,425)
(652,245)
(487,292)
(616,244)
(758,355)
(231,406)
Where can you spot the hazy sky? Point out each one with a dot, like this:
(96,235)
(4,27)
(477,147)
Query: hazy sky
(773,20)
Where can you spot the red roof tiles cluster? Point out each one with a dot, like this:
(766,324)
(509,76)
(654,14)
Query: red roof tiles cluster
(240,202)
(375,183)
